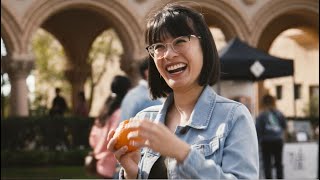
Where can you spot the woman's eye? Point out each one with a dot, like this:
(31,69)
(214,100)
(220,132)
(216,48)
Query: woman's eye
(159,47)
(180,41)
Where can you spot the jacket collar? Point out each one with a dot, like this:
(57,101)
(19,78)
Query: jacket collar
(201,113)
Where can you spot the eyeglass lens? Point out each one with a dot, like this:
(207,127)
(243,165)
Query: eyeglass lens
(179,45)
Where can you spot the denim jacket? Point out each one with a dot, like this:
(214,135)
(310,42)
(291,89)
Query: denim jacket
(136,100)
(222,136)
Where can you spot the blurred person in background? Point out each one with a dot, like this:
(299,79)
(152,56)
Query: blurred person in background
(138,98)
(59,105)
(271,127)
(108,119)
(82,108)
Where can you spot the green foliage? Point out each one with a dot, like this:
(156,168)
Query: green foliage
(44,141)
(45,133)
(105,49)
(46,172)
(50,61)
(50,57)
(42,158)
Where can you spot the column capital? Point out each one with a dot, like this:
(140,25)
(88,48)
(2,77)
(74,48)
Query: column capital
(16,68)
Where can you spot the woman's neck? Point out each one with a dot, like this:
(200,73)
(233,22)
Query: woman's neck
(184,102)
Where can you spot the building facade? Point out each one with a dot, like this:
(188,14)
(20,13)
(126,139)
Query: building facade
(76,24)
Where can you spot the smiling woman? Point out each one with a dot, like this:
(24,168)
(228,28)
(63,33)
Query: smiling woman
(196,133)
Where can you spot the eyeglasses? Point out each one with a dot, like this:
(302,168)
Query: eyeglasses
(179,45)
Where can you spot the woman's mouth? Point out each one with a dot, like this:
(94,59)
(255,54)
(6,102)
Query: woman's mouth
(173,69)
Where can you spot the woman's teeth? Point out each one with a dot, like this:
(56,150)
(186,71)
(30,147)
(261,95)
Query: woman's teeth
(176,68)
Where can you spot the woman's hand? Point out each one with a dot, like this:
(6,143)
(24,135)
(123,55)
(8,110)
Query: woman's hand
(129,161)
(159,138)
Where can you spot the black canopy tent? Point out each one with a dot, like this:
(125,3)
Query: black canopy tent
(239,61)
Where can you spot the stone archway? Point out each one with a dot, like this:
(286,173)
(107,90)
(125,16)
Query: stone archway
(128,29)
(284,15)
(226,17)
(48,14)
(10,31)
(221,14)
(17,63)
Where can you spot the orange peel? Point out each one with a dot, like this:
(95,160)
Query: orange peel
(121,135)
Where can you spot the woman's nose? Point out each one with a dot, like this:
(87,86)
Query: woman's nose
(170,52)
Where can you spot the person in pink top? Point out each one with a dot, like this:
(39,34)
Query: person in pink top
(82,108)
(108,119)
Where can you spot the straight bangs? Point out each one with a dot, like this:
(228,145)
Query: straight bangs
(165,25)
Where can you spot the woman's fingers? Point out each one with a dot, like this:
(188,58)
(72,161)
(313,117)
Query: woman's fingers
(112,141)
(120,152)
(139,144)
(139,134)
(110,134)
(145,134)
(146,126)
(143,125)
(117,153)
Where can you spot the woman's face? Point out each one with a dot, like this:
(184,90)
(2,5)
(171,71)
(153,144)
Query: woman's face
(181,70)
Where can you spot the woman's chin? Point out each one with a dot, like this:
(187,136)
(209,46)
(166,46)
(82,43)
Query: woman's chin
(175,85)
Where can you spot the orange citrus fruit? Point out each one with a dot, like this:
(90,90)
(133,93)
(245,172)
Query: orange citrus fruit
(121,135)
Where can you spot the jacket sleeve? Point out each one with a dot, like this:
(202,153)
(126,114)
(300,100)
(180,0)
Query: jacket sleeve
(240,153)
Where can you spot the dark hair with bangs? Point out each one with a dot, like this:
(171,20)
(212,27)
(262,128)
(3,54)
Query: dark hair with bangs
(178,20)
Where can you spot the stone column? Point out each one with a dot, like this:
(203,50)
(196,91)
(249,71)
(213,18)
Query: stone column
(18,69)
(77,78)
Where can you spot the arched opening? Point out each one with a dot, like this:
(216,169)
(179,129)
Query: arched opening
(301,45)
(285,15)
(48,73)
(95,17)
(77,38)
(51,63)
(104,59)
